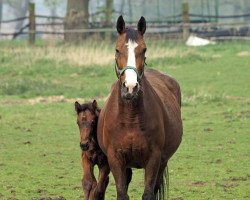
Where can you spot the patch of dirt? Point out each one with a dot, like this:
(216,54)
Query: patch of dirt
(53,198)
(208,129)
(27,142)
(198,183)
(216,56)
(238,179)
(177,198)
(48,100)
(244,54)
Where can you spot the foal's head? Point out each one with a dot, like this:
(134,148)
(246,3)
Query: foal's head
(87,116)
(130,57)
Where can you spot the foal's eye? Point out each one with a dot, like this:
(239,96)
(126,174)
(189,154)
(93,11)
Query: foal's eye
(117,51)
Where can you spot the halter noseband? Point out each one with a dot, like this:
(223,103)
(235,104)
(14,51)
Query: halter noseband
(120,72)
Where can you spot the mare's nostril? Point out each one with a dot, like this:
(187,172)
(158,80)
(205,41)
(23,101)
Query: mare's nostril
(125,89)
(136,88)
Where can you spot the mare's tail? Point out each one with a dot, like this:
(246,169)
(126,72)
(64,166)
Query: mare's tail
(161,194)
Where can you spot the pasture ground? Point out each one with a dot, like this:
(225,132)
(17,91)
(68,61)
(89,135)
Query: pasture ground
(39,138)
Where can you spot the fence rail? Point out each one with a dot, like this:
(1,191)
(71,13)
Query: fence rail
(183,23)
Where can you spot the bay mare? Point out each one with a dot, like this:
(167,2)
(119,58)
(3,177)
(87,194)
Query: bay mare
(140,125)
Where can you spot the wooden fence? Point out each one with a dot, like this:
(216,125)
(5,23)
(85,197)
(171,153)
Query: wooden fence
(179,26)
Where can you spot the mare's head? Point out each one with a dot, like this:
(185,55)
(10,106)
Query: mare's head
(87,117)
(130,57)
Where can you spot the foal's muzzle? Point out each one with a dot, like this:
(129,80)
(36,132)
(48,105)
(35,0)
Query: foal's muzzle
(84,147)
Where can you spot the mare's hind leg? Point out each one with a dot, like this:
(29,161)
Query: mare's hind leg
(159,186)
(103,180)
(129,176)
(151,173)
(88,180)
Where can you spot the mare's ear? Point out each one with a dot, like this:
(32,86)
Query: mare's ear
(77,107)
(95,107)
(120,25)
(141,26)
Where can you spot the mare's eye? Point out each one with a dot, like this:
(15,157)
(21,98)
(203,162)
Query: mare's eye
(144,50)
(117,51)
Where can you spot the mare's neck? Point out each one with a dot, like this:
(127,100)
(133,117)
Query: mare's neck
(131,112)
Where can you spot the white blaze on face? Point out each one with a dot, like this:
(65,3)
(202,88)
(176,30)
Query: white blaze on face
(131,76)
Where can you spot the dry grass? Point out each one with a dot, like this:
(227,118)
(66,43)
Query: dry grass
(76,55)
(100,54)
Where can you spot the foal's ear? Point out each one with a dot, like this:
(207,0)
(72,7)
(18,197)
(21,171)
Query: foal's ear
(120,25)
(77,107)
(94,104)
(95,107)
(141,26)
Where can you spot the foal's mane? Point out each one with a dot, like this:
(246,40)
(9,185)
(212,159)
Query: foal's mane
(87,106)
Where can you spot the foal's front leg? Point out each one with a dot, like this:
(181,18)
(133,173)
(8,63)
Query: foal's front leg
(88,180)
(103,180)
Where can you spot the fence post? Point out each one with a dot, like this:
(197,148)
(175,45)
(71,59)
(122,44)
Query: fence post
(32,24)
(185,20)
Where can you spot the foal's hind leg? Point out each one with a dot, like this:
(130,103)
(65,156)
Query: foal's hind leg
(103,181)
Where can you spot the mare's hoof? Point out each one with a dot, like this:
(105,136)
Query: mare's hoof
(148,196)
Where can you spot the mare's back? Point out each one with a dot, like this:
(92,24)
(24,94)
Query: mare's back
(166,87)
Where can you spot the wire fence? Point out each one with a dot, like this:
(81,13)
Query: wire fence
(170,27)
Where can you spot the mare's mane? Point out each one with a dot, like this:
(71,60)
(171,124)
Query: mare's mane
(131,34)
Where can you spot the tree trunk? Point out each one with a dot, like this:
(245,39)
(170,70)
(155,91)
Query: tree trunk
(108,21)
(109,10)
(76,19)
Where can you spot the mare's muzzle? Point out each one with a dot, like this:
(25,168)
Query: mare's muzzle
(84,147)
(126,94)
(129,95)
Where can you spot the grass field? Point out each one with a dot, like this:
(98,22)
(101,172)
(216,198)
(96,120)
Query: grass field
(39,138)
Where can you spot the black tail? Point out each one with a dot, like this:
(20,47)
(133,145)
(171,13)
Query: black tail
(165,182)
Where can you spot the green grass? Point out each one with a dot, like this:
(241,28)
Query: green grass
(39,151)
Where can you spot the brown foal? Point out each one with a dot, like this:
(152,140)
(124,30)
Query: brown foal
(87,118)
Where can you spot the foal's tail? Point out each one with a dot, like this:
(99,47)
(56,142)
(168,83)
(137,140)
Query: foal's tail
(165,182)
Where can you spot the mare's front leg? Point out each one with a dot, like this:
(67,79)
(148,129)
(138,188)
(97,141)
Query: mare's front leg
(103,179)
(151,173)
(118,170)
(88,180)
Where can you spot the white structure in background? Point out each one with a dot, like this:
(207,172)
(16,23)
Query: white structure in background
(196,41)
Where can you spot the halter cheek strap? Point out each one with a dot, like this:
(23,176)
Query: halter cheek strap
(120,72)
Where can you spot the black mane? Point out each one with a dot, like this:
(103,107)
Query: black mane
(86,106)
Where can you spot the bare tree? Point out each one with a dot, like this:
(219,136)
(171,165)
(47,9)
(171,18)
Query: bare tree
(76,18)
(20,9)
